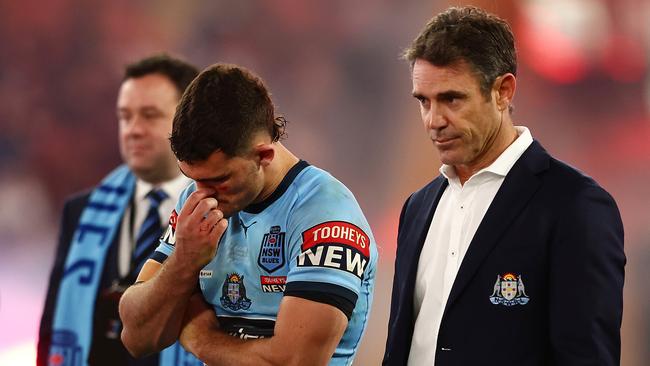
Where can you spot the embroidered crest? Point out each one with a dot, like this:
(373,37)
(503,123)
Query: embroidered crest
(271,255)
(233,293)
(509,290)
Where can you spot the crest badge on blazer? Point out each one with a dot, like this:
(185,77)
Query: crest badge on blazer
(509,291)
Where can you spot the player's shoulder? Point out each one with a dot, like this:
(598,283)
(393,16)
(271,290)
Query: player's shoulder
(314,184)
(321,198)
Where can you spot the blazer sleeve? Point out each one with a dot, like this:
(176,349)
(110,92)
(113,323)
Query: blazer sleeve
(69,219)
(586,281)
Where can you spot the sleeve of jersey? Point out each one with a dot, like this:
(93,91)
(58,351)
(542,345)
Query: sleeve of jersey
(168,238)
(329,255)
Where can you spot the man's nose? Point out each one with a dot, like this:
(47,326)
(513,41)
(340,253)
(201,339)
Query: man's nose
(136,126)
(435,119)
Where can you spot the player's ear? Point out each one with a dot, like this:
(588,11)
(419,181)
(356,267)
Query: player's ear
(265,153)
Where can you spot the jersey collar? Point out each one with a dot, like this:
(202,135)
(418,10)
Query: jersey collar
(256,208)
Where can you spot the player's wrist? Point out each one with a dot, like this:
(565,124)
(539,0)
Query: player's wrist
(182,272)
(192,260)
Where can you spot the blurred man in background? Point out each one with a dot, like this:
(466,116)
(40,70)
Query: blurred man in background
(107,234)
(509,256)
(281,250)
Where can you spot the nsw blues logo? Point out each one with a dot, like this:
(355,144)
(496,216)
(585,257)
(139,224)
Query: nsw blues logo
(509,290)
(271,255)
(233,293)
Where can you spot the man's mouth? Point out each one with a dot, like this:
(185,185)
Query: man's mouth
(444,140)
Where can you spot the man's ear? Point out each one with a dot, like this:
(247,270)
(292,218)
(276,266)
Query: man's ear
(265,153)
(505,86)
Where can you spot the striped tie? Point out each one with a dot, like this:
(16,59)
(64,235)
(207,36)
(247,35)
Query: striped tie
(150,231)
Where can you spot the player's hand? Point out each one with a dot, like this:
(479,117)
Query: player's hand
(199,319)
(199,227)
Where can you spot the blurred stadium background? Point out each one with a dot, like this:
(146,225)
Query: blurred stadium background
(334,70)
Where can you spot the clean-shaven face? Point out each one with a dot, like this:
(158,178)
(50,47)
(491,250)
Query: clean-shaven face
(145,111)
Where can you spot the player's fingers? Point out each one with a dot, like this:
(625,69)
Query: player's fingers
(200,212)
(218,229)
(194,199)
(210,219)
(204,207)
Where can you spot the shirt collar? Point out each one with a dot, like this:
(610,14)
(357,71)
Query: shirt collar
(502,165)
(172,187)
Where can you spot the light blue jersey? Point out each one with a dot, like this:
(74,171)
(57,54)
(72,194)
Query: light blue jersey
(309,239)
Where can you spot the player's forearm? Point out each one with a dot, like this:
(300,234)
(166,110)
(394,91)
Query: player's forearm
(295,342)
(216,348)
(152,311)
(202,336)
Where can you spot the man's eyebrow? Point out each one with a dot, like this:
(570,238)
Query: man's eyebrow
(150,108)
(146,108)
(448,94)
(217,178)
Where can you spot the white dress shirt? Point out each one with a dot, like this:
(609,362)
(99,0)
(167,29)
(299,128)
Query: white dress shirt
(128,234)
(455,221)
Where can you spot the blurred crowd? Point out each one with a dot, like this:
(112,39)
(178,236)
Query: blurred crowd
(335,73)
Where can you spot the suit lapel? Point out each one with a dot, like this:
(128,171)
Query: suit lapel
(517,189)
(422,220)
(415,225)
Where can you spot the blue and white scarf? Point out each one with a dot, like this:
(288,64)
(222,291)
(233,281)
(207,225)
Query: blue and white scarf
(73,314)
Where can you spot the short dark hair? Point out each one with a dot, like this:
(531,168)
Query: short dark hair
(221,110)
(468,34)
(179,72)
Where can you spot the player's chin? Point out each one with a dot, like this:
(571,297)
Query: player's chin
(230,208)
(226,209)
(227,214)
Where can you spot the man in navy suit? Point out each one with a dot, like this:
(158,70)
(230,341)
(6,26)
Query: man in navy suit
(147,100)
(509,256)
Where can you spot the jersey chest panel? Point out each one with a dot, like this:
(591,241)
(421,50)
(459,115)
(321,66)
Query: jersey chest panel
(247,277)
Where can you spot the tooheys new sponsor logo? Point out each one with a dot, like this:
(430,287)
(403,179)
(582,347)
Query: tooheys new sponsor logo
(273,283)
(335,244)
(169,236)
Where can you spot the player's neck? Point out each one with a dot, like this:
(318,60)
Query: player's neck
(283,161)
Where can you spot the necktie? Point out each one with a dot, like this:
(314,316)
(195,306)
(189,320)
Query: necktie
(150,231)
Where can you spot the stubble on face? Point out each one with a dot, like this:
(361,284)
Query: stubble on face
(235,181)
(462,123)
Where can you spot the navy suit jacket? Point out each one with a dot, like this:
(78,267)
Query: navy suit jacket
(101,353)
(554,227)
